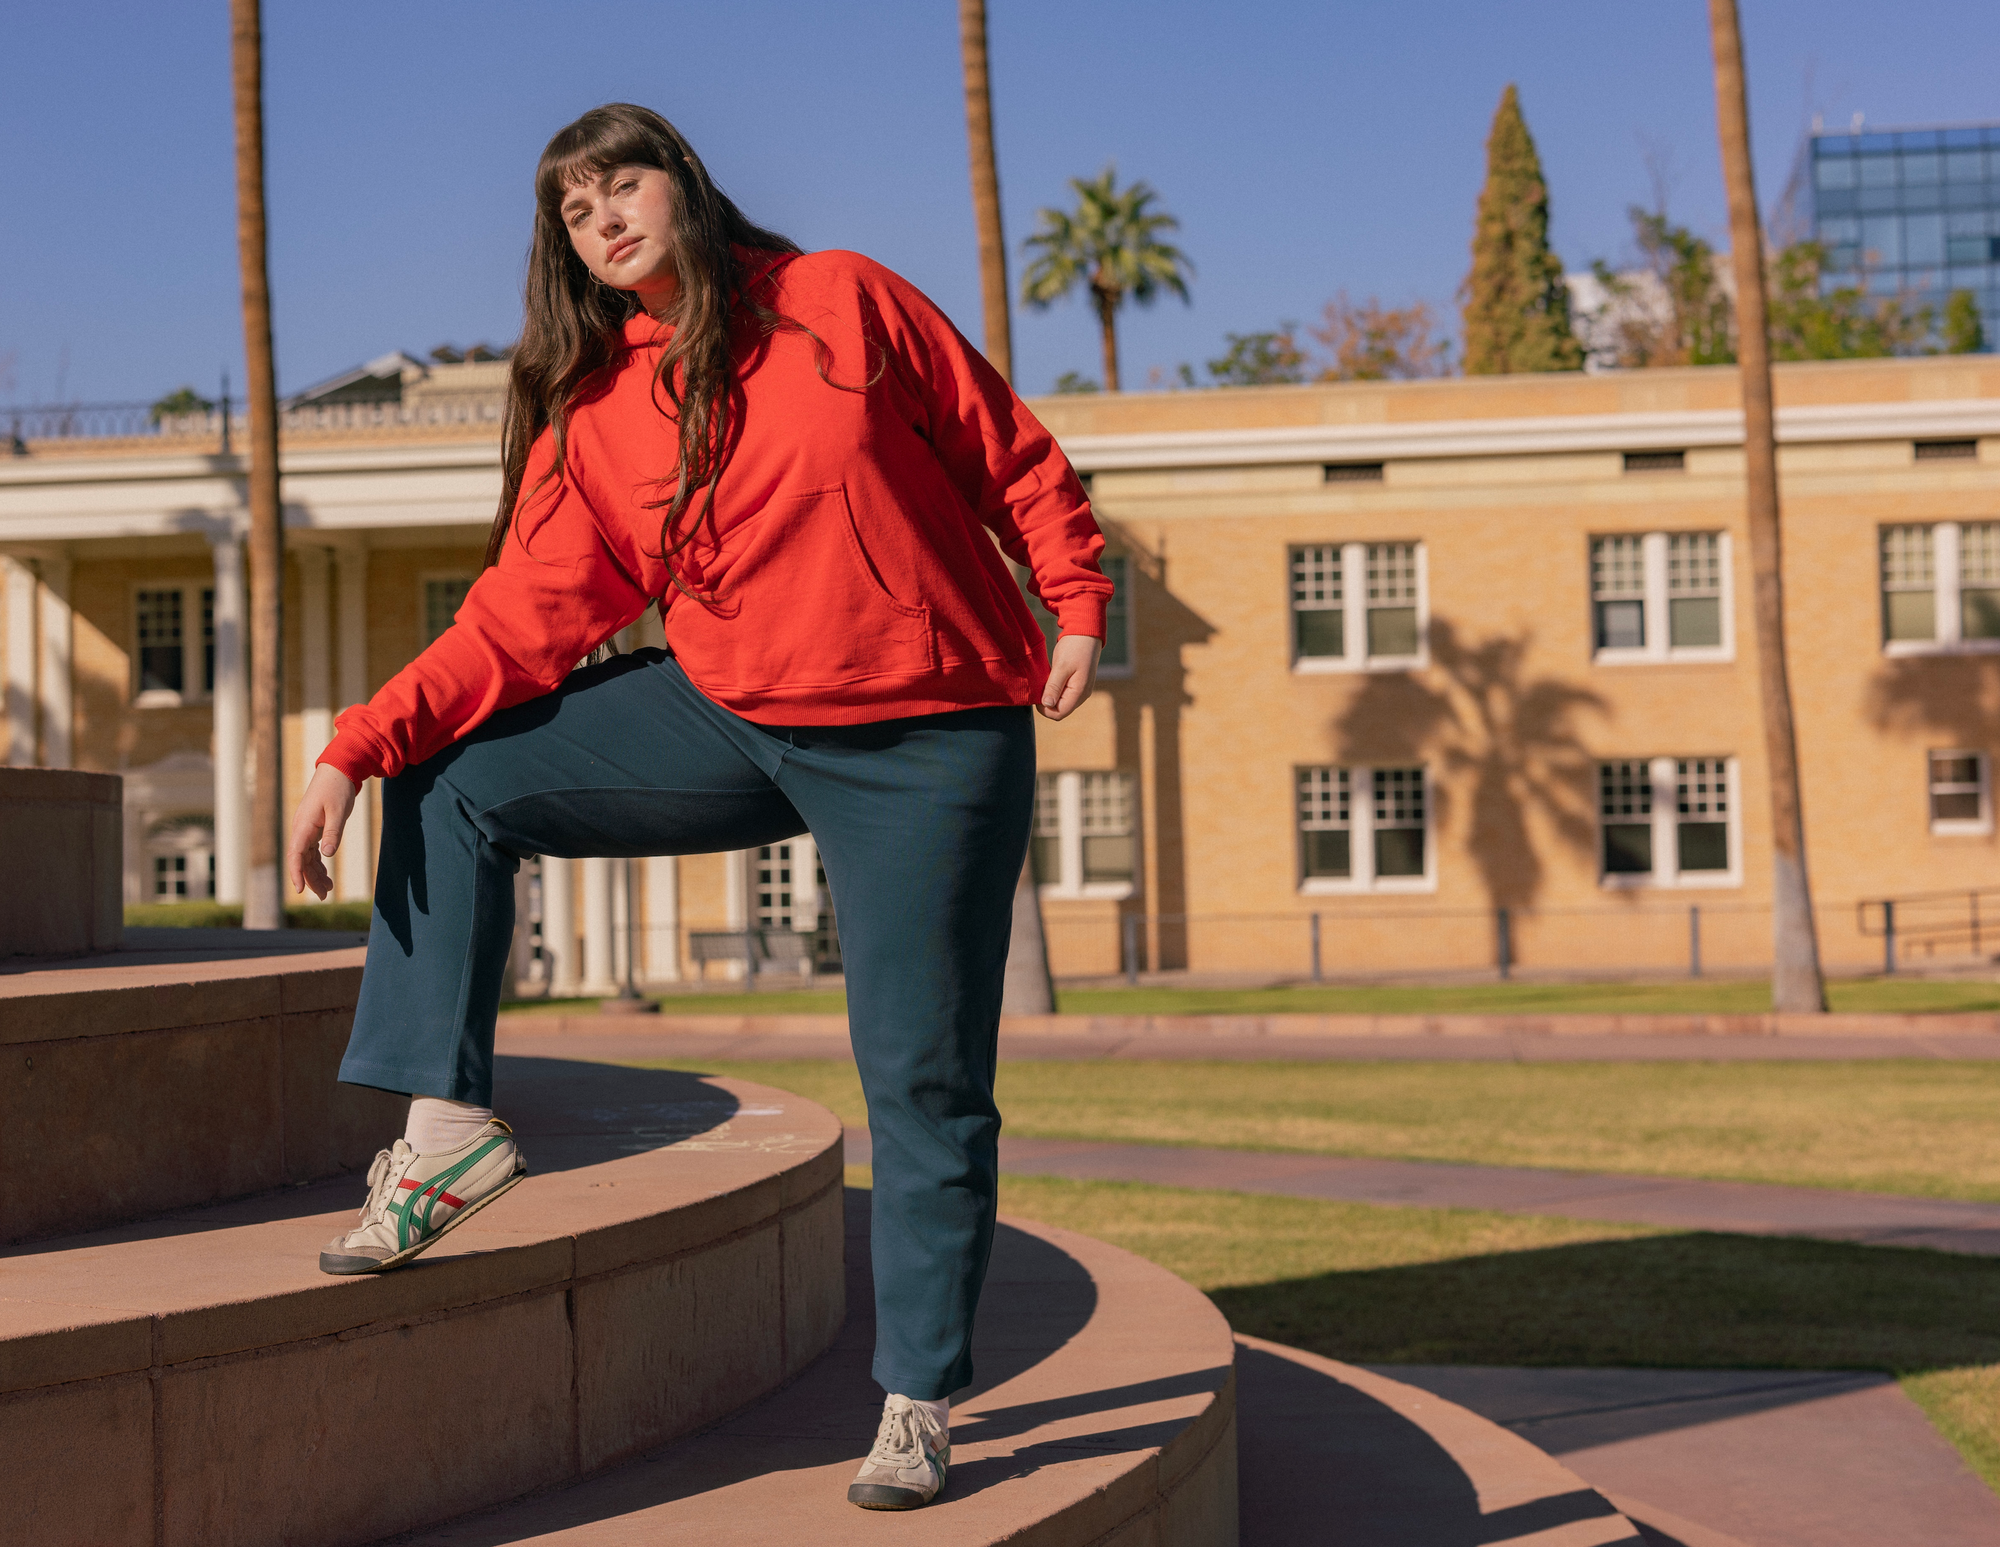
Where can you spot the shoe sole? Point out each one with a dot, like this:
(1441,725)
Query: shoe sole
(881,1496)
(330,1262)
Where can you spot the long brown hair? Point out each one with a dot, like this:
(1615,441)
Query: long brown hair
(573,323)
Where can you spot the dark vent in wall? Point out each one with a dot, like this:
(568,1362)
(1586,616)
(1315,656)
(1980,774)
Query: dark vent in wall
(1947,450)
(1084,479)
(1353,472)
(1656,461)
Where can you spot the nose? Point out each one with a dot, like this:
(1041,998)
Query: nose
(609,221)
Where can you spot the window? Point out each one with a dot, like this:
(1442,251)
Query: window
(1352,472)
(171,664)
(1660,596)
(1086,841)
(1666,821)
(1940,587)
(1960,793)
(773,887)
(1116,661)
(1380,841)
(1946,450)
(180,859)
(443,596)
(1357,605)
(1656,461)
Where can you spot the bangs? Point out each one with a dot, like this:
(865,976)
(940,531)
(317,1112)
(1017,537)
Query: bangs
(586,150)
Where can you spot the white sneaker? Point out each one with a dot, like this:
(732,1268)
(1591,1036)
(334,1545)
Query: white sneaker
(413,1199)
(907,1466)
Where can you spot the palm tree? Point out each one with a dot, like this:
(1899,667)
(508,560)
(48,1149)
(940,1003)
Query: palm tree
(263,897)
(985,185)
(1796,982)
(1028,988)
(1111,244)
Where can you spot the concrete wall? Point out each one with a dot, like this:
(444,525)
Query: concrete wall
(61,833)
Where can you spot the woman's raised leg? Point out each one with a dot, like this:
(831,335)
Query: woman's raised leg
(623,759)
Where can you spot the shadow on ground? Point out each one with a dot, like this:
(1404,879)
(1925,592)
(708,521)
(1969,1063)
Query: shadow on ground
(1690,1301)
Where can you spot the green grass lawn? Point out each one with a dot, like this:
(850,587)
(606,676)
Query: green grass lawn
(1917,1127)
(227,915)
(1907,995)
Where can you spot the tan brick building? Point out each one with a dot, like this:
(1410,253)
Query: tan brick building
(1387,659)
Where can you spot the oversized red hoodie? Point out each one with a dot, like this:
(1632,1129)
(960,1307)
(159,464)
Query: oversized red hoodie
(847,576)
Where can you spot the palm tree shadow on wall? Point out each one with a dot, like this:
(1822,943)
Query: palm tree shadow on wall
(1163,628)
(1506,744)
(1952,698)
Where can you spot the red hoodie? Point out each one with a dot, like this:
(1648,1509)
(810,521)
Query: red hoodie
(846,576)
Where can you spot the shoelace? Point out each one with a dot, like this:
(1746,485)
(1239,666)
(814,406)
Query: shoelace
(381,1184)
(899,1442)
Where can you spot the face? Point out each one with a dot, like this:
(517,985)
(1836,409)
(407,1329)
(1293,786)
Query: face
(619,225)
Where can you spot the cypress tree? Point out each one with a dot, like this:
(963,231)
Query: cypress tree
(1516,308)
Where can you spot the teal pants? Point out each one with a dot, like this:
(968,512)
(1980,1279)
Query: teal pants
(922,827)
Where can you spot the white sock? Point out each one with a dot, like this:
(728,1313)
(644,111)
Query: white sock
(437,1125)
(939,1410)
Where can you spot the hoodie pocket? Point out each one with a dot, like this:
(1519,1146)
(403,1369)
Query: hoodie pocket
(795,601)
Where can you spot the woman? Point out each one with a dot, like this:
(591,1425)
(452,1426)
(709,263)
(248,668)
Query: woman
(805,467)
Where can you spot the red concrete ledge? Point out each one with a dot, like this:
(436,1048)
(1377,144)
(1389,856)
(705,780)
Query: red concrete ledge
(1105,1416)
(134,1085)
(222,1391)
(1245,1027)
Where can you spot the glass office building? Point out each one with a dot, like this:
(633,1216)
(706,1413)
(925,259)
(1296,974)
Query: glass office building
(1911,212)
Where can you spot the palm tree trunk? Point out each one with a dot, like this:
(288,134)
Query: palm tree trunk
(1107,322)
(1027,989)
(263,898)
(1796,983)
(985,186)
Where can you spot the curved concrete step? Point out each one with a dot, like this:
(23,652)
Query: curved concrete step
(190,1067)
(1337,1454)
(674,1253)
(1104,1416)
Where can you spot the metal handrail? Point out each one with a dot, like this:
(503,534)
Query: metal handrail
(1968,916)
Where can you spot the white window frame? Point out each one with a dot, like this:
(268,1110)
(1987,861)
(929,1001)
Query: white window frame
(192,691)
(1069,840)
(1354,654)
(1947,591)
(1666,871)
(1657,601)
(1361,840)
(424,581)
(1959,826)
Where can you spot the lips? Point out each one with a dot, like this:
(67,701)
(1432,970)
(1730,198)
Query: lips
(618,251)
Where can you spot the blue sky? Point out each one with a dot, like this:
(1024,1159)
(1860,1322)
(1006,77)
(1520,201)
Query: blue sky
(1307,148)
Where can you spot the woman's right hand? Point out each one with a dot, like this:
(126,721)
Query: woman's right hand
(316,829)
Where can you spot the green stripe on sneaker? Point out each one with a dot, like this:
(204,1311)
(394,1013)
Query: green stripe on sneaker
(431,1194)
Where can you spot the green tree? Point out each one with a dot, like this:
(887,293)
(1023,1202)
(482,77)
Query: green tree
(179,403)
(1810,322)
(1674,310)
(1260,359)
(1109,244)
(1516,306)
(1964,332)
(1074,381)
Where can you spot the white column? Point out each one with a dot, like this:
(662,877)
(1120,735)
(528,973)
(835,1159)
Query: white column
(357,847)
(53,670)
(315,658)
(559,925)
(599,878)
(232,723)
(805,884)
(660,882)
(20,595)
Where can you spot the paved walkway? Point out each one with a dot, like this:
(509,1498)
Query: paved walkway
(1444,1039)
(1741,1208)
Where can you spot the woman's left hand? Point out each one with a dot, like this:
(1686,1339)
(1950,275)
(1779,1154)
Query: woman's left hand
(1072,674)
